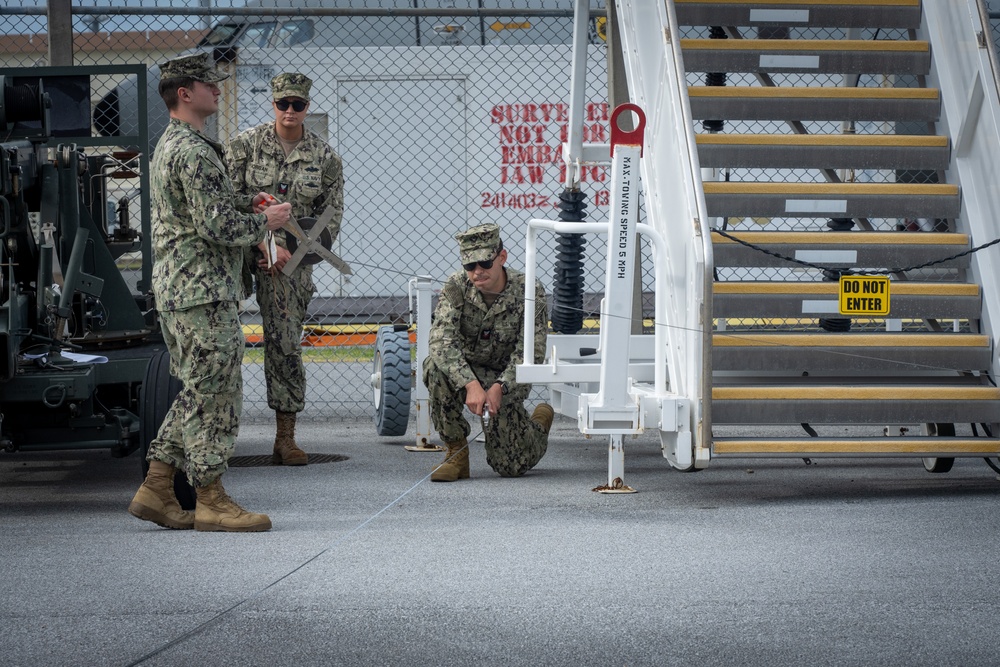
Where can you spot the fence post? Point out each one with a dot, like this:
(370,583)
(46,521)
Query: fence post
(60,19)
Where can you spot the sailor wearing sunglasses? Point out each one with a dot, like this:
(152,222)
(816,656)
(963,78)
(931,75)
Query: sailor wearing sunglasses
(475,342)
(292,164)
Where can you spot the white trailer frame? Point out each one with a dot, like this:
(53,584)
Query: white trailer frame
(632,383)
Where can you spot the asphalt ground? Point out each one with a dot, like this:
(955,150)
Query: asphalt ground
(752,562)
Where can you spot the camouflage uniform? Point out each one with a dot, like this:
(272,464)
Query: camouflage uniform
(471,340)
(198,239)
(311,177)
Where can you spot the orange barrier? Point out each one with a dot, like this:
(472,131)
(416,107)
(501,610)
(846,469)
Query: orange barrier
(348,335)
(343,336)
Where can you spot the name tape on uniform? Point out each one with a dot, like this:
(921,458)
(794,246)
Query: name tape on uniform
(864,295)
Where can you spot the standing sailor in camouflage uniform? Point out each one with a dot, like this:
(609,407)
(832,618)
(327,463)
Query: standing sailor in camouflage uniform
(476,339)
(198,240)
(294,165)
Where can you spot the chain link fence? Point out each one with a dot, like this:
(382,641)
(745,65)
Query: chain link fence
(445,117)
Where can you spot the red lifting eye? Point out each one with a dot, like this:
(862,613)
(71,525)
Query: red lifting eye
(620,136)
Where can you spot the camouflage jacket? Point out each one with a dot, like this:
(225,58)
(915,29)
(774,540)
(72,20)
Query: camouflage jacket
(198,233)
(469,339)
(311,177)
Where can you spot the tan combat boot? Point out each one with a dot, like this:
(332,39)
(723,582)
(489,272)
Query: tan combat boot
(456,463)
(155,500)
(216,511)
(286,452)
(543,415)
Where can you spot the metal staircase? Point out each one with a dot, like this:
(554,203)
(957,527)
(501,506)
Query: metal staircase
(822,208)
(823,155)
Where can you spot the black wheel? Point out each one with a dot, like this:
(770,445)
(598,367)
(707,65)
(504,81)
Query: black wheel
(944,464)
(391,381)
(157,394)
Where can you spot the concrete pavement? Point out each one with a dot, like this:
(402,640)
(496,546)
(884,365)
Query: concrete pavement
(846,562)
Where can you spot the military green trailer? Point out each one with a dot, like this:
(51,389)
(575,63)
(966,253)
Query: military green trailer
(82,364)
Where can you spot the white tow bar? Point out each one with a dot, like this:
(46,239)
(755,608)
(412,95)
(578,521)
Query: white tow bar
(614,383)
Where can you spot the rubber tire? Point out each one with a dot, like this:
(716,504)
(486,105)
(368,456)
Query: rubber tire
(157,394)
(944,464)
(391,368)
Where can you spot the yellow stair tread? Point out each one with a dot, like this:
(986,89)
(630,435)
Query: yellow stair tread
(872,445)
(856,393)
(871,140)
(826,93)
(851,238)
(898,288)
(804,45)
(875,3)
(881,189)
(723,339)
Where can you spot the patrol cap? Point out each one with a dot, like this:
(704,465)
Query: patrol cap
(291,84)
(200,67)
(479,243)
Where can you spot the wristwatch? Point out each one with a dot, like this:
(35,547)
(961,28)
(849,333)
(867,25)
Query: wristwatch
(504,388)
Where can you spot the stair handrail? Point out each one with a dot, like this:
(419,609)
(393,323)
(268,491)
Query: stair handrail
(966,74)
(674,198)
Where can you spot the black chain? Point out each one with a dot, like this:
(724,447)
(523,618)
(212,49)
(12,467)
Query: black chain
(847,271)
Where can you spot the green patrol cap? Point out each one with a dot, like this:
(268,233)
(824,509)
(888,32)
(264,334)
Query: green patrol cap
(291,84)
(479,243)
(200,67)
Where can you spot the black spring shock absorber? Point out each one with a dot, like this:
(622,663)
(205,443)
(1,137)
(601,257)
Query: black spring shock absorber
(715,79)
(567,279)
(836,324)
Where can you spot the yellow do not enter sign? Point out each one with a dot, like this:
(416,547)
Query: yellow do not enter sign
(864,295)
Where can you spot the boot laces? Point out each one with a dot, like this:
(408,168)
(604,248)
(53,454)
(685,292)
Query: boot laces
(226,501)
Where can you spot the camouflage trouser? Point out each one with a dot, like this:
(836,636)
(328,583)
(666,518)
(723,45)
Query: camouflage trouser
(283,301)
(199,432)
(514,443)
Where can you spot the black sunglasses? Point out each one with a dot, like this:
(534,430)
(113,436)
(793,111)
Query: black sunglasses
(485,264)
(297,105)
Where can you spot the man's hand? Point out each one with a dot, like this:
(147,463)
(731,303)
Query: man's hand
(278,215)
(494,395)
(279,261)
(261,201)
(476,398)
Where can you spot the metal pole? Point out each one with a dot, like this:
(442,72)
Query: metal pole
(618,94)
(424,288)
(577,94)
(206,22)
(60,19)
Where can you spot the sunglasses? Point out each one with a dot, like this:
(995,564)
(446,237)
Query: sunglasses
(298,105)
(485,264)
